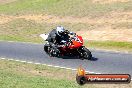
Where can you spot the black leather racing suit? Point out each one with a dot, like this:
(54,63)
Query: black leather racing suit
(54,39)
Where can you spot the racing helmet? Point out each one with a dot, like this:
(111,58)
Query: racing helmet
(60,30)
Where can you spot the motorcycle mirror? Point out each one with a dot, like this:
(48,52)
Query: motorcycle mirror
(72,33)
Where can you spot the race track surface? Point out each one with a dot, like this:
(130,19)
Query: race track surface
(102,62)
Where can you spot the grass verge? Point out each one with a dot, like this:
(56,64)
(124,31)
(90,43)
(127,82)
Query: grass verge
(22,75)
(111,45)
(63,7)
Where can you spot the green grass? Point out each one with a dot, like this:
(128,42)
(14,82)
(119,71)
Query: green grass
(18,75)
(22,75)
(112,45)
(29,31)
(63,7)
(18,81)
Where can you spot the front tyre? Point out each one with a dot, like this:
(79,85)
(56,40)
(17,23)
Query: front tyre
(86,53)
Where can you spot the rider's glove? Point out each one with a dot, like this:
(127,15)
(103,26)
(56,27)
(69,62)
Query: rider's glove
(66,31)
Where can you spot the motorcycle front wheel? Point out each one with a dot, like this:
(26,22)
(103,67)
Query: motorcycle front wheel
(85,53)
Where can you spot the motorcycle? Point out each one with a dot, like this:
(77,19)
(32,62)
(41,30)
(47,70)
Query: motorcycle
(72,47)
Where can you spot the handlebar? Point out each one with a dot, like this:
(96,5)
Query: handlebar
(66,44)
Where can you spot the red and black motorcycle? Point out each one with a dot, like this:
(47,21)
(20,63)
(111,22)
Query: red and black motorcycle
(73,47)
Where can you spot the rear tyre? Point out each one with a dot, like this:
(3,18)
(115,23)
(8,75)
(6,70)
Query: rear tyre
(46,48)
(50,51)
(86,53)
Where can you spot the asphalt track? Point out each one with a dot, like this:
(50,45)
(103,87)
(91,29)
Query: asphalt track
(102,61)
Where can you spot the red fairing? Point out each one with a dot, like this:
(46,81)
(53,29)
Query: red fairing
(81,39)
(78,42)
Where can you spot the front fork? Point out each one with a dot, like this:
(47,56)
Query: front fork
(80,51)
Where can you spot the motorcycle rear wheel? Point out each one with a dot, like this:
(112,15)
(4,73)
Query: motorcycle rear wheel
(50,51)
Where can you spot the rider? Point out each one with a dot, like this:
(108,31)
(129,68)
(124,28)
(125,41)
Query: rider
(56,36)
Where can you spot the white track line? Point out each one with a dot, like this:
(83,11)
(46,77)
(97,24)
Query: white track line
(29,62)
(48,65)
